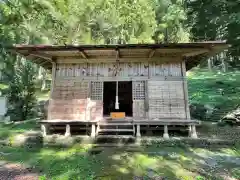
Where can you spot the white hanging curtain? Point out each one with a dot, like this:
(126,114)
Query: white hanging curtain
(116,100)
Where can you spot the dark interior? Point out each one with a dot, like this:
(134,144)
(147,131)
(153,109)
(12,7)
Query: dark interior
(124,96)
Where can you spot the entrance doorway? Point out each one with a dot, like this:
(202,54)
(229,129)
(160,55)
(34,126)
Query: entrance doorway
(124,97)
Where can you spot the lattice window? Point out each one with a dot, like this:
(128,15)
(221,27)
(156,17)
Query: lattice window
(138,90)
(96,90)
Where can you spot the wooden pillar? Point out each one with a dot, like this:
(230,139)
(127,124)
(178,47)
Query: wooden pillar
(53,78)
(194,133)
(68,130)
(185,90)
(52,87)
(146,101)
(138,131)
(44,129)
(165,134)
(93,132)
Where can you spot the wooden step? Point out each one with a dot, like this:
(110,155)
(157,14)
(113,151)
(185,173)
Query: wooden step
(117,145)
(115,130)
(114,124)
(116,136)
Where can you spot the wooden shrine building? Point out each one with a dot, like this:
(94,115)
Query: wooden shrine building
(122,89)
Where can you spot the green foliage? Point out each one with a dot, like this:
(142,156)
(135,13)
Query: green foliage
(213,93)
(21,91)
(170,18)
(216,20)
(97,22)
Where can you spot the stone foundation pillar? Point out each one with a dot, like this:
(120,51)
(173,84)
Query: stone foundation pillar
(193,132)
(93,131)
(44,129)
(166,135)
(189,131)
(138,134)
(68,130)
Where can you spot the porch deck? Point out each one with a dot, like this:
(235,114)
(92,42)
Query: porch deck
(135,121)
(127,125)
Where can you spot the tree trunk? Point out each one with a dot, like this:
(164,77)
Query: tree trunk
(166,36)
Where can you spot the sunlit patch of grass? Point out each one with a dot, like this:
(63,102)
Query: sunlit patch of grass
(3,86)
(231,151)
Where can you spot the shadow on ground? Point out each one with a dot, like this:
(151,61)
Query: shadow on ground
(88,162)
(171,160)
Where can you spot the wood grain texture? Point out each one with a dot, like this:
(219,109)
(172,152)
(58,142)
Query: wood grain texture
(158,89)
(166,99)
(130,69)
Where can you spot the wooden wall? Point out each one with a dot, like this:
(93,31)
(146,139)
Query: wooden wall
(166,99)
(125,70)
(78,90)
(73,101)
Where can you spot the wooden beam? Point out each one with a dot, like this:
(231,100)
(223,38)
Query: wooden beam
(113,60)
(42,55)
(151,53)
(41,64)
(117,54)
(195,53)
(83,54)
(185,91)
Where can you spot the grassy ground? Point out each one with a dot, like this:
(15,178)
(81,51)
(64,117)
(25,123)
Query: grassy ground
(10,130)
(218,91)
(114,163)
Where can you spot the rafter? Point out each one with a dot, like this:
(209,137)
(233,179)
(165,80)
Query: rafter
(45,62)
(151,53)
(41,55)
(195,53)
(83,54)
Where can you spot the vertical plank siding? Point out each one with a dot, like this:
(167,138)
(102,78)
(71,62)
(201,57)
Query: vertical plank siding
(81,99)
(124,70)
(69,100)
(166,99)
